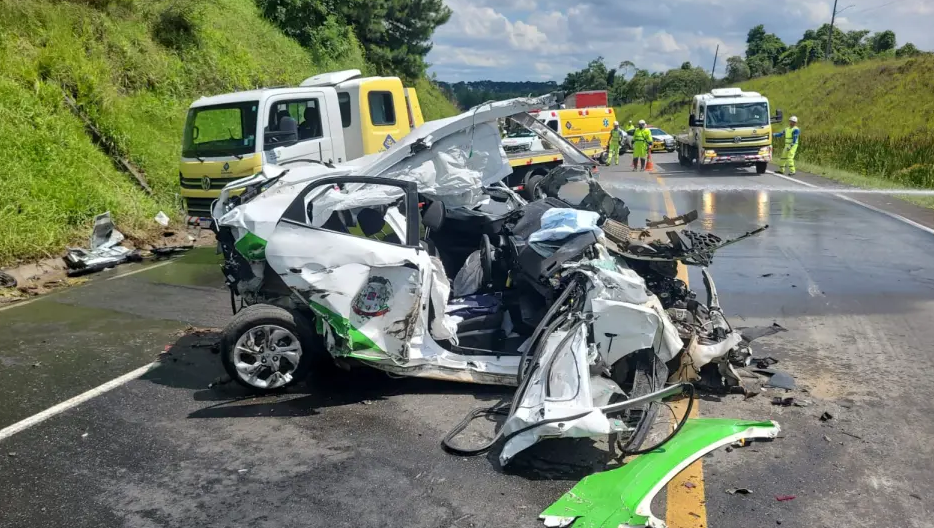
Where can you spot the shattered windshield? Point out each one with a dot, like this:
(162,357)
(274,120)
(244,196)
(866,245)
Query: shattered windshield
(221,130)
(737,115)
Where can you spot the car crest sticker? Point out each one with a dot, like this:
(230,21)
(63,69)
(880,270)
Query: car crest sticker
(373,299)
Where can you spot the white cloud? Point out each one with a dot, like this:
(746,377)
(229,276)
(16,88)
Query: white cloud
(526,39)
(664,42)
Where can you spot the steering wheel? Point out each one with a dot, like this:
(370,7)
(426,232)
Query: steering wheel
(486,261)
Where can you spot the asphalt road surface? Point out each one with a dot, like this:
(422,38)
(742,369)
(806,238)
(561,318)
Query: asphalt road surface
(854,288)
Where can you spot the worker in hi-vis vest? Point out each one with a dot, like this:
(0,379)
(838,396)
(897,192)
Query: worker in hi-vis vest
(791,134)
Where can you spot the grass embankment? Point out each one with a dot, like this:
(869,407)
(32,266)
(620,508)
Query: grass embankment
(872,119)
(133,66)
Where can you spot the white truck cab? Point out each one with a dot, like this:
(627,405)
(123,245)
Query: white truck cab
(331,118)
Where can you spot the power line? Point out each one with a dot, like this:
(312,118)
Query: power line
(877,7)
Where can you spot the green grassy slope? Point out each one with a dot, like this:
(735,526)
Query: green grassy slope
(873,118)
(133,66)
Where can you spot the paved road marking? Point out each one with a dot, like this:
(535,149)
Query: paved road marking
(687,505)
(22,425)
(119,276)
(890,214)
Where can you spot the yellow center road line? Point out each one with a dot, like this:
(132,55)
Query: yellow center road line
(687,505)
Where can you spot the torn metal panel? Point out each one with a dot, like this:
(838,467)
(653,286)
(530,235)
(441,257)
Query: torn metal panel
(557,401)
(623,497)
(105,249)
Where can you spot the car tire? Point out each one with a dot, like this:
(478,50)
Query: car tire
(761,167)
(292,327)
(639,374)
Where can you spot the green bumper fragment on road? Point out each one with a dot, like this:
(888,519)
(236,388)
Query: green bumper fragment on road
(622,497)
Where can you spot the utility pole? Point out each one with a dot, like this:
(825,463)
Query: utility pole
(712,70)
(833,18)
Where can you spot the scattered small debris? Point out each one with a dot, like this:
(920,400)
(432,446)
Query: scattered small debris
(162,219)
(766,274)
(85,435)
(783,498)
(11,454)
(739,443)
(36,364)
(852,435)
(914,496)
(729,449)
(826,438)
(826,416)
(777,378)
(220,380)
(778,521)
(690,485)
(739,491)
(170,250)
(7,280)
(802,403)
(784,402)
(765,362)
(367,402)
(692,514)
(242,471)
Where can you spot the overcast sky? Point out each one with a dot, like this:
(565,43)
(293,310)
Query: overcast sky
(513,40)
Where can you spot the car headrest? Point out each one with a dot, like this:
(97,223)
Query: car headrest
(434,215)
(370,221)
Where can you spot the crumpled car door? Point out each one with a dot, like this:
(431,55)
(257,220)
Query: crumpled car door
(366,288)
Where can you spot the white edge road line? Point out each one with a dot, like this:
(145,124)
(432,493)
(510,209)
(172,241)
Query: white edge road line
(22,425)
(890,214)
(119,276)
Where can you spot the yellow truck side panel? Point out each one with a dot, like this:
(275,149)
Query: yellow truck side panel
(415,108)
(390,125)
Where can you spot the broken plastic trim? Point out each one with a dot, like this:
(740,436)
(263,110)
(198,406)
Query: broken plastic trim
(623,497)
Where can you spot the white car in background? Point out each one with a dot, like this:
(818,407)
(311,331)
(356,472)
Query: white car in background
(662,140)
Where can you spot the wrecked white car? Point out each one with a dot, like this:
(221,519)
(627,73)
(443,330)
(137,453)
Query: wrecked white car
(419,262)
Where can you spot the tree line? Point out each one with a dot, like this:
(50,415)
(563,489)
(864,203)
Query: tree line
(471,93)
(626,83)
(395,34)
(766,54)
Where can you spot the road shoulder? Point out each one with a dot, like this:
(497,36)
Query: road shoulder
(887,203)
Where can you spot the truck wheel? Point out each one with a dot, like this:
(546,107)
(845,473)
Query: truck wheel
(761,166)
(267,348)
(533,188)
(682,159)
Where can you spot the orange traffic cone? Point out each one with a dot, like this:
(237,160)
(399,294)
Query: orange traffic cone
(649,166)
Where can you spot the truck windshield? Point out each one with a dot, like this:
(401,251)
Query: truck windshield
(221,130)
(737,115)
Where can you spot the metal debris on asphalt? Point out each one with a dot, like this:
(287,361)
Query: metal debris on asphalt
(739,491)
(105,250)
(826,416)
(777,379)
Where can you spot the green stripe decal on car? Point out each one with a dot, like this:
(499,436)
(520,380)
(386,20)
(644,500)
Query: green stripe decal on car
(341,325)
(251,247)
